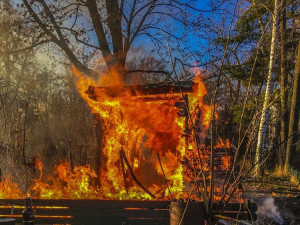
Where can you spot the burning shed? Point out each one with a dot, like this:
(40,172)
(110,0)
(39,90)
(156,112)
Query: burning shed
(149,139)
(156,127)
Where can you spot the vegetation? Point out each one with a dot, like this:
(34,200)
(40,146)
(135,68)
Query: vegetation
(248,54)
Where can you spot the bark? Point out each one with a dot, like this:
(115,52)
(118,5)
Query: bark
(294,117)
(115,59)
(269,89)
(114,17)
(283,81)
(99,30)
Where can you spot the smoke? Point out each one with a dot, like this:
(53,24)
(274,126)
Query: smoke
(270,210)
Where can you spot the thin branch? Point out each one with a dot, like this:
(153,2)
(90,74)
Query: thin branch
(30,47)
(148,71)
(196,9)
(122,153)
(162,169)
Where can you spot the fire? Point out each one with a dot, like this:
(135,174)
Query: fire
(67,183)
(9,189)
(143,127)
(39,166)
(221,144)
(225,164)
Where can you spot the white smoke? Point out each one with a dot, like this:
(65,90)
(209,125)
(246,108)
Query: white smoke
(270,210)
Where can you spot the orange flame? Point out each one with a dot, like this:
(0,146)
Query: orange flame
(67,184)
(140,126)
(9,189)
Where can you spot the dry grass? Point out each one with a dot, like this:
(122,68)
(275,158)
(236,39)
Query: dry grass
(278,172)
(295,181)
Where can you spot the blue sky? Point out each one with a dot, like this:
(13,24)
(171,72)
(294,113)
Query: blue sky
(192,40)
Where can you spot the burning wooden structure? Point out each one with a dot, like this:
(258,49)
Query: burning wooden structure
(150,134)
(192,117)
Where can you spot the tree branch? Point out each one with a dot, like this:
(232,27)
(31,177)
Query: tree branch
(142,22)
(60,41)
(114,23)
(96,20)
(30,47)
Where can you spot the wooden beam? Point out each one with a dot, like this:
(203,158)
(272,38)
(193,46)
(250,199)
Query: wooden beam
(96,93)
(90,203)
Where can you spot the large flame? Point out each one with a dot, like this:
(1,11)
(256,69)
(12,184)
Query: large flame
(147,129)
(67,183)
(143,128)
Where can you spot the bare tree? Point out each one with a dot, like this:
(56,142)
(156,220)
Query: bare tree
(108,27)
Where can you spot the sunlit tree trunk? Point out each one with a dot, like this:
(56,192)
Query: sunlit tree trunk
(294,117)
(269,89)
(283,82)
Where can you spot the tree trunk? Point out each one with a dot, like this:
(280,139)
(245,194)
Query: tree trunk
(269,89)
(117,66)
(114,22)
(294,117)
(283,82)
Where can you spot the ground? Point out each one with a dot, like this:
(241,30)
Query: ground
(278,199)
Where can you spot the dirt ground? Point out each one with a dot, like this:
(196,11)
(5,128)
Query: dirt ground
(278,200)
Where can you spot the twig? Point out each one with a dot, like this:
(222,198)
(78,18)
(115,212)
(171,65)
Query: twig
(170,193)
(241,178)
(191,192)
(24,145)
(229,218)
(123,171)
(122,154)
(196,138)
(212,155)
